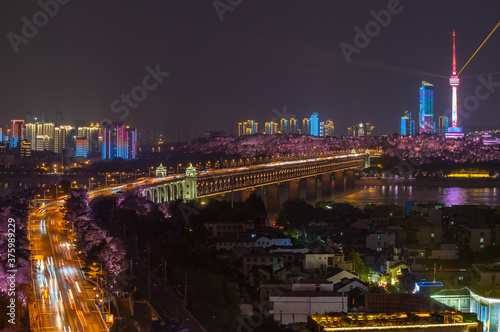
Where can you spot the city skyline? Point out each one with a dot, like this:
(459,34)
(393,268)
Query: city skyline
(80,80)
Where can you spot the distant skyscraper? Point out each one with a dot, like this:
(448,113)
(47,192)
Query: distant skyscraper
(93,135)
(443,124)
(16,132)
(43,117)
(305,127)
(293,127)
(41,136)
(29,117)
(42,143)
(25,149)
(328,128)
(360,130)
(407,124)
(314,124)
(61,138)
(118,141)
(248,127)
(284,126)
(81,147)
(426,123)
(271,128)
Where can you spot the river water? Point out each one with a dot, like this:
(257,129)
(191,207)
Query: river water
(400,194)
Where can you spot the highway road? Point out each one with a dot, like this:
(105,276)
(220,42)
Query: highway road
(65,299)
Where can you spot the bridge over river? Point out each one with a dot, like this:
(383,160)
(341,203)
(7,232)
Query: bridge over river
(311,173)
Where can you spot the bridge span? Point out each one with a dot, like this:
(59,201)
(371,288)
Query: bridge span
(245,180)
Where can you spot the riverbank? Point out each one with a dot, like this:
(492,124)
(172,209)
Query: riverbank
(429,182)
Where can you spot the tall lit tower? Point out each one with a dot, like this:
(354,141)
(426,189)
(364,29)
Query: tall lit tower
(454,131)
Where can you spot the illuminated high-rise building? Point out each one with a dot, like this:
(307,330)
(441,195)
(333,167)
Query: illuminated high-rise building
(284,126)
(118,141)
(248,127)
(360,130)
(328,128)
(443,124)
(81,147)
(314,124)
(93,135)
(293,126)
(271,128)
(407,124)
(454,131)
(25,149)
(30,133)
(41,135)
(305,127)
(62,136)
(42,143)
(16,132)
(426,123)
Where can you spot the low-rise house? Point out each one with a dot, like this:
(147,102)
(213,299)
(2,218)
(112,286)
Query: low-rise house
(326,262)
(474,236)
(324,258)
(486,274)
(276,261)
(295,307)
(228,243)
(312,284)
(394,272)
(228,228)
(347,285)
(446,251)
(337,275)
(381,240)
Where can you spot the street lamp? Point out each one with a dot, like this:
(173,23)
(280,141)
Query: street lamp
(180,165)
(91,182)
(152,167)
(57,186)
(106,180)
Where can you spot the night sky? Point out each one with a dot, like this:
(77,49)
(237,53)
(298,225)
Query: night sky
(263,55)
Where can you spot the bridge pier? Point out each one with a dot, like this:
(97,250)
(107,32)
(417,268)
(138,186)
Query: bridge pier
(311,188)
(273,198)
(245,194)
(326,184)
(339,180)
(293,189)
(349,181)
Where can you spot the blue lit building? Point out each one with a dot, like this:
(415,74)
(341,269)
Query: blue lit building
(426,123)
(118,141)
(314,124)
(407,124)
(81,147)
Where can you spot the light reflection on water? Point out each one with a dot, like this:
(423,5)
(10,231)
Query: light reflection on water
(400,194)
